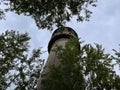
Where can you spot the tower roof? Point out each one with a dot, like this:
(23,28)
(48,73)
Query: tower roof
(65,32)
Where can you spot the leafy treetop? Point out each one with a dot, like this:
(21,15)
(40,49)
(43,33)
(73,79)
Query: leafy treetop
(17,66)
(47,13)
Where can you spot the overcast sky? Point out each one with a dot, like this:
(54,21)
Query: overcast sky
(103,27)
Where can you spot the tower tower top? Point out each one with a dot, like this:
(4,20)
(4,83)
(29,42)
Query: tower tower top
(59,33)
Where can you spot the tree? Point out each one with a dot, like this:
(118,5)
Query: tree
(17,66)
(47,13)
(1,14)
(82,66)
(86,68)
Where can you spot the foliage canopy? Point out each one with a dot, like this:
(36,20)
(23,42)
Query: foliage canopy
(86,69)
(47,13)
(17,67)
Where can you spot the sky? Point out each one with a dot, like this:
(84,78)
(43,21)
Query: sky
(103,27)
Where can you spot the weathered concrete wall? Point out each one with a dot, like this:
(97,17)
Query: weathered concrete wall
(58,38)
(52,60)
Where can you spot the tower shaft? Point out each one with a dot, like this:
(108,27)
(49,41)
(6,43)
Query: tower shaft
(59,38)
